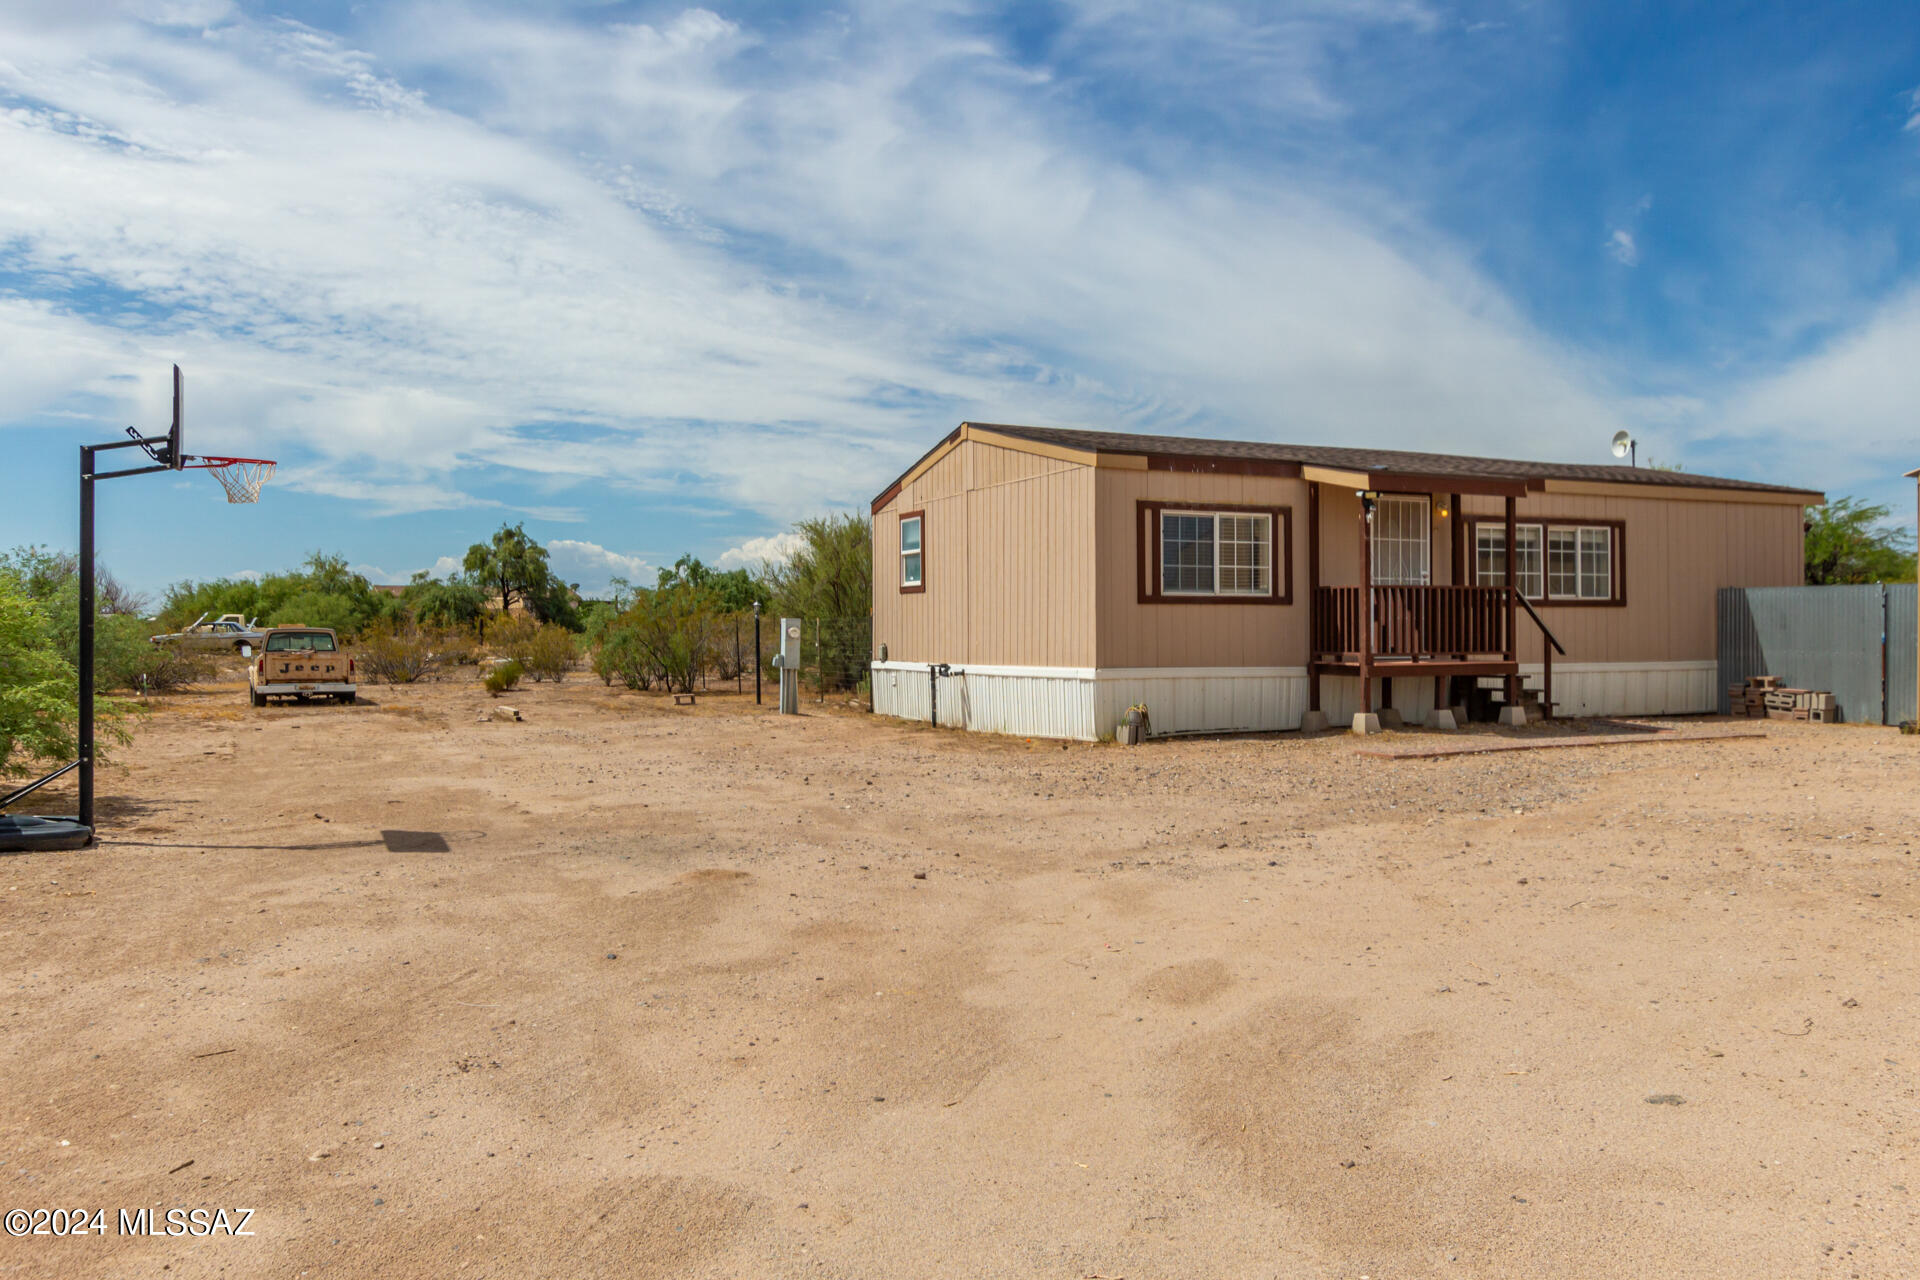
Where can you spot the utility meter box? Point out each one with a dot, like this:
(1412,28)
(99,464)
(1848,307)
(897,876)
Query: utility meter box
(788,660)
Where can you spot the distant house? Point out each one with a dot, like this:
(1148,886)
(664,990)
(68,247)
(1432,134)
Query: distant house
(521,609)
(1229,585)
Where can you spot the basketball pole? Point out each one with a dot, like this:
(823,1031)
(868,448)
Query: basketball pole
(85,816)
(88,606)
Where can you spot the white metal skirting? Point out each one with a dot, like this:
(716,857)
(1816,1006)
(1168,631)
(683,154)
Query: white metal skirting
(1042,702)
(1086,703)
(1632,688)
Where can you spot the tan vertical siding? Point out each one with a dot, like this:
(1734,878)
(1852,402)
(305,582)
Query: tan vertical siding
(1132,634)
(1009,562)
(1678,554)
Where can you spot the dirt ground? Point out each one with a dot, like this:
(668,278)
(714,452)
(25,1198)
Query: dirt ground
(634,990)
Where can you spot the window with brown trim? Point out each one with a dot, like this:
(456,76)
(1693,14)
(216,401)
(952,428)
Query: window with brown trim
(913,551)
(1560,561)
(1213,553)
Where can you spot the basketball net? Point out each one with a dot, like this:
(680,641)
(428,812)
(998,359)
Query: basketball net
(240,477)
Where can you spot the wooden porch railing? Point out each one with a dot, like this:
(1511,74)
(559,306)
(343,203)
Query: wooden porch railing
(1412,622)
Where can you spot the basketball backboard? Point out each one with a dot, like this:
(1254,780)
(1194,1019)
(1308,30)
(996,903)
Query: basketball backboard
(175,454)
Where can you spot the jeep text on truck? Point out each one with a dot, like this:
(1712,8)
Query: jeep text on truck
(300,662)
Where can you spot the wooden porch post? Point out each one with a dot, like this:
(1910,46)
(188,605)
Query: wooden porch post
(1456,533)
(1513,617)
(1366,610)
(1313,594)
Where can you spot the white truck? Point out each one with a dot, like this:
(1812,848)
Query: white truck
(227,632)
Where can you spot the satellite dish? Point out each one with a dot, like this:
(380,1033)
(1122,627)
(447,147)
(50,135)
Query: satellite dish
(1622,441)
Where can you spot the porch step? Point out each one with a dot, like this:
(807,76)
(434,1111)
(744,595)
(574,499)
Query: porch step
(1531,695)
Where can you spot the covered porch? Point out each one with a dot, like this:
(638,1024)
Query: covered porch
(1391,618)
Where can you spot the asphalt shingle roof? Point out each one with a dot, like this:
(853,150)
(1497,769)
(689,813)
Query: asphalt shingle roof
(1402,460)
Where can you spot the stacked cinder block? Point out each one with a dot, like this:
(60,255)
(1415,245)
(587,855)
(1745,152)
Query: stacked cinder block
(1764,697)
(1750,699)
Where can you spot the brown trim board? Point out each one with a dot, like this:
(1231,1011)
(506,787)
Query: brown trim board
(906,590)
(1619,527)
(1147,533)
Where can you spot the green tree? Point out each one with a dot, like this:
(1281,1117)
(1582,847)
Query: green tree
(322,592)
(39,690)
(831,574)
(728,590)
(673,631)
(450,602)
(1848,541)
(39,680)
(513,567)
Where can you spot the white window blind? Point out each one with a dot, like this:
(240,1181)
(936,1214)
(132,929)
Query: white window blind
(1401,538)
(1490,558)
(1216,553)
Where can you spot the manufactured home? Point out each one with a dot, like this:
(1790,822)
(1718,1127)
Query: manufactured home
(1060,577)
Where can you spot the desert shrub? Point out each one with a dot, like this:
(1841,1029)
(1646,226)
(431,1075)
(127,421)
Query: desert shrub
(154,668)
(730,645)
(673,627)
(509,633)
(503,677)
(123,657)
(622,657)
(398,654)
(550,654)
(544,651)
(456,647)
(606,659)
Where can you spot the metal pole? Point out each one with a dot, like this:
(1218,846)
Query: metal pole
(86,636)
(1366,607)
(756,653)
(1513,591)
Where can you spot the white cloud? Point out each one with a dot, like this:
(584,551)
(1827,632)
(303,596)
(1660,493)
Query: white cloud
(1621,245)
(775,548)
(593,566)
(773,280)
(1868,380)
(379,576)
(250,575)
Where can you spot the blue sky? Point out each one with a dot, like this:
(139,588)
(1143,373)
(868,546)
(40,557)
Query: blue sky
(659,278)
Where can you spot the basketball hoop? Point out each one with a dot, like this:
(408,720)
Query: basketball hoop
(240,477)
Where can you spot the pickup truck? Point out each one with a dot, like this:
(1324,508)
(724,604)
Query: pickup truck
(302,663)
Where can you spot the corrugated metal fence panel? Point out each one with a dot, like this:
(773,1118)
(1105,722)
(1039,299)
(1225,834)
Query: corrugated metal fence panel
(1811,637)
(1903,621)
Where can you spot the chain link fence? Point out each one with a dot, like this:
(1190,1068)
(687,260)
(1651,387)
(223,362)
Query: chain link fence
(834,654)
